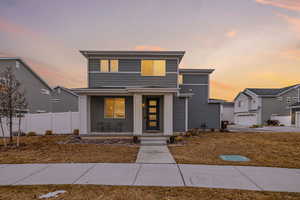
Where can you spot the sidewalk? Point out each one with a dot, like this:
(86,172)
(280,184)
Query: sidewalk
(155,155)
(213,176)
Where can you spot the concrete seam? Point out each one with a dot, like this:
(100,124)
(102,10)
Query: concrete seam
(31,174)
(247,177)
(180,172)
(137,173)
(84,173)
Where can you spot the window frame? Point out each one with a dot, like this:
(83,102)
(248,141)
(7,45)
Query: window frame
(163,74)
(109,65)
(114,116)
(288,100)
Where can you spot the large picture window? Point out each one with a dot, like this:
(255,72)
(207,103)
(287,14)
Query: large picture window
(114,108)
(153,68)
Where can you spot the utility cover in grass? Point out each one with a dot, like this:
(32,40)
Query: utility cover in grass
(236,158)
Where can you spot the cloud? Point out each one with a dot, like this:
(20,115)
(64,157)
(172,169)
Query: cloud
(286,4)
(292,21)
(231,33)
(291,54)
(148,48)
(223,86)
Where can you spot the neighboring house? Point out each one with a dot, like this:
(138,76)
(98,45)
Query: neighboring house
(37,91)
(257,105)
(295,108)
(140,92)
(226,110)
(64,100)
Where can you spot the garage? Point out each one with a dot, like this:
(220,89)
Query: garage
(246,120)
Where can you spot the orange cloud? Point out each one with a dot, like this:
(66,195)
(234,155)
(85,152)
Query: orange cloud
(148,48)
(286,4)
(292,21)
(222,86)
(291,53)
(231,33)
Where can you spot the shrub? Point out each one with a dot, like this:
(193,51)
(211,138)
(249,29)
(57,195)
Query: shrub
(281,125)
(178,138)
(194,131)
(15,133)
(135,139)
(172,139)
(272,122)
(76,131)
(31,133)
(48,132)
(188,134)
(255,126)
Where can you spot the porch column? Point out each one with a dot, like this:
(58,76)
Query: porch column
(168,114)
(84,114)
(137,114)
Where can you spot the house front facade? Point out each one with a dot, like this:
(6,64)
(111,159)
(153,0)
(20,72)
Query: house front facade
(144,92)
(254,106)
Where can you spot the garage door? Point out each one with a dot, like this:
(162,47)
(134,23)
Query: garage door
(246,120)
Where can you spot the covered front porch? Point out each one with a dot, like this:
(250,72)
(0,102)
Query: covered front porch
(126,111)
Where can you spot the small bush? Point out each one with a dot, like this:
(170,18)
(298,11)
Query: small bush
(172,139)
(135,139)
(281,125)
(188,134)
(178,138)
(76,131)
(255,126)
(194,131)
(31,133)
(48,132)
(272,122)
(15,133)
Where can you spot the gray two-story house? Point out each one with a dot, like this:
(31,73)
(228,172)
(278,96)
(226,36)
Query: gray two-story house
(254,106)
(142,92)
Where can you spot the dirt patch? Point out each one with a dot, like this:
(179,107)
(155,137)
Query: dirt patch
(264,149)
(98,140)
(78,192)
(52,149)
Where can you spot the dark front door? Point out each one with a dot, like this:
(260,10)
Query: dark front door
(152,118)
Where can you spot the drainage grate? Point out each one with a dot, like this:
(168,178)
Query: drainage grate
(236,158)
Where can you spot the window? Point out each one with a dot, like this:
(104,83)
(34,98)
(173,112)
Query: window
(180,79)
(45,91)
(288,99)
(279,98)
(153,68)
(109,65)
(114,108)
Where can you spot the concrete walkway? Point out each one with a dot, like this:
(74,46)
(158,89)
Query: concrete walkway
(154,155)
(212,176)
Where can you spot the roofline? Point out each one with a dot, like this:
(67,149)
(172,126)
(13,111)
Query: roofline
(196,71)
(242,92)
(87,53)
(67,90)
(276,95)
(29,68)
(285,91)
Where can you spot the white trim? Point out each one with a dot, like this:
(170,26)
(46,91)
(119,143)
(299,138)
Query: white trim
(186,114)
(197,73)
(168,114)
(123,72)
(137,114)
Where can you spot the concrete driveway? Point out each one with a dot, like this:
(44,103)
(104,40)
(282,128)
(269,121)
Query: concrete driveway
(276,129)
(211,176)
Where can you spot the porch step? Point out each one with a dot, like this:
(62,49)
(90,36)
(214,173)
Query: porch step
(153,141)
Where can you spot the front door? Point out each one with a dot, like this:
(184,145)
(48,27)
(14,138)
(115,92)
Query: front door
(152,112)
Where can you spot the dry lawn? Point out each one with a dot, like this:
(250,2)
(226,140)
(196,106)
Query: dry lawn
(44,149)
(264,149)
(84,192)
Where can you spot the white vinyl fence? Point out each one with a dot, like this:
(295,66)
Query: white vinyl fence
(298,119)
(283,119)
(60,123)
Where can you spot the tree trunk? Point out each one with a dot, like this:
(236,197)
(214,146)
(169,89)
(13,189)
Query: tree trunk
(19,131)
(10,128)
(4,140)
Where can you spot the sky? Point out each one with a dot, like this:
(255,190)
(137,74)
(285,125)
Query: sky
(249,43)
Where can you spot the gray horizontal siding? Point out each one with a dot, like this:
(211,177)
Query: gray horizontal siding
(101,124)
(134,79)
(179,114)
(195,79)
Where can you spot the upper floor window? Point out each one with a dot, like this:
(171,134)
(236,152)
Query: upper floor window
(114,108)
(153,68)
(109,65)
(279,98)
(288,99)
(180,79)
(240,103)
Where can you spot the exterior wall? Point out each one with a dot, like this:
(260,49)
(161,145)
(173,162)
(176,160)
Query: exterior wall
(244,106)
(100,124)
(179,115)
(32,85)
(129,73)
(67,101)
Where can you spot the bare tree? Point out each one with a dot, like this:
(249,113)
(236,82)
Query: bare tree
(13,99)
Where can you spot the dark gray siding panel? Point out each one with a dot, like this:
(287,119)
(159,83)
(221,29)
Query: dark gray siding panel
(94,65)
(100,124)
(195,79)
(67,102)
(134,79)
(199,111)
(129,65)
(179,114)
(171,66)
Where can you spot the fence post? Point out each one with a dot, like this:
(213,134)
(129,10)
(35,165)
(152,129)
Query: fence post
(71,121)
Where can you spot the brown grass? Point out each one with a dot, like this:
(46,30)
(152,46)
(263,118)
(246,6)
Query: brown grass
(84,192)
(44,149)
(264,149)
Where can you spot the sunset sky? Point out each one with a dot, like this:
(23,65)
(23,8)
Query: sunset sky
(250,43)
